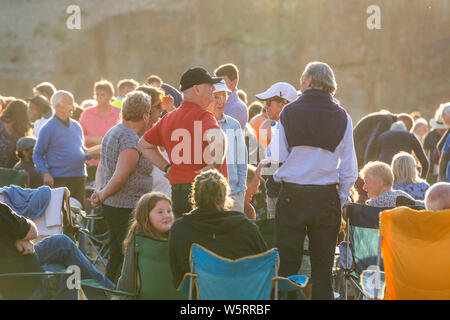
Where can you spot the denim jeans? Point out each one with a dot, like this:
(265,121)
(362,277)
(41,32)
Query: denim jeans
(58,252)
(314,211)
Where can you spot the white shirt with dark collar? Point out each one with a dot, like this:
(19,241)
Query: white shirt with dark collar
(315,166)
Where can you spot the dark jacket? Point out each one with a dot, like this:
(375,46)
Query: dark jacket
(366,133)
(227,233)
(392,142)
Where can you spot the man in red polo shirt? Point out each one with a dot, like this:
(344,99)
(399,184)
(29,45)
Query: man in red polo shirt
(191,136)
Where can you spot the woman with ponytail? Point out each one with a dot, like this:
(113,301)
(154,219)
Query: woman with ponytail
(227,233)
(152,218)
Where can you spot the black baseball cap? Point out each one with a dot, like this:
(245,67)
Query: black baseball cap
(42,103)
(194,76)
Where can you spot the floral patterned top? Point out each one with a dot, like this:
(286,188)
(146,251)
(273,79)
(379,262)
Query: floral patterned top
(387,199)
(415,190)
(7,147)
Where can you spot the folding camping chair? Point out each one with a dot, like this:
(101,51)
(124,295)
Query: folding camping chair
(360,249)
(90,242)
(56,218)
(154,272)
(415,253)
(248,278)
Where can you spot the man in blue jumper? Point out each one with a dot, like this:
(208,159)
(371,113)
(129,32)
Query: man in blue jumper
(59,154)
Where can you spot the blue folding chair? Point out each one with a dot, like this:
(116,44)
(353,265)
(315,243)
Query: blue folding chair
(248,278)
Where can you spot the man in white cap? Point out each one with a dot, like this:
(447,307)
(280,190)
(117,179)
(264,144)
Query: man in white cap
(236,153)
(275,98)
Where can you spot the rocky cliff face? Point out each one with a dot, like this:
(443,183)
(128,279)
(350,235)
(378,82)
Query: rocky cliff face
(404,66)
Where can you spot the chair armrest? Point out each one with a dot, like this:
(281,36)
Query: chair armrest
(97,285)
(35,274)
(291,283)
(372,287)
(184,283)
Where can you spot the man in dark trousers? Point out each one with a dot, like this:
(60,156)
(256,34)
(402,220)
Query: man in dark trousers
(314,142)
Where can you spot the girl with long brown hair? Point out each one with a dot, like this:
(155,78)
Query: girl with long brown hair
(153,219)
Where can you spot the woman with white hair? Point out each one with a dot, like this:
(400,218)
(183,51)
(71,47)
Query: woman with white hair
(406,177)
(398,139)
(378,182)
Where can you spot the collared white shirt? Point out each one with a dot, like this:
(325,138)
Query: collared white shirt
(316,166)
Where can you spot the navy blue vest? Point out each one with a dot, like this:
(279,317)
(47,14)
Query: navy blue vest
(314,120)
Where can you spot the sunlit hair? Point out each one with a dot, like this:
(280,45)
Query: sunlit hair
(322,76)
(420,122)
(16,113)
(378,170)
(407,119)
(46,89)
(155,93)
(104,85)
(229,70)
(210,190)
(251,173)
(135,105)
(254,109)
(140,223)
(131,83)
(242,95)
(404,169)
(154,78)
(437,197)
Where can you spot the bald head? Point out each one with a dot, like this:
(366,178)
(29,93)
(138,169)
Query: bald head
(438,197)
(62,101)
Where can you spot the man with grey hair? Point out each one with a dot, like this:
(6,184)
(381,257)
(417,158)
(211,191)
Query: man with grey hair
(191,136)
(444,161)
(59,154)
(314,142)
(437,197)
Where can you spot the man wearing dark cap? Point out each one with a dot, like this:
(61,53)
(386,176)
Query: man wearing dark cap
(24,148)
(191,136)
(40,112)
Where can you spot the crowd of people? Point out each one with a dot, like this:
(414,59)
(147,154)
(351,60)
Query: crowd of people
(200,165)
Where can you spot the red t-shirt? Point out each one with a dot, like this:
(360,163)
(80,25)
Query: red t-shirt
(184,141)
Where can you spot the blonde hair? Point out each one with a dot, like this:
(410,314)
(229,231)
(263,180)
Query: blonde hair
(404,169)
(135,105)
(140,223)
(379,170)
(104,85)
(210,190)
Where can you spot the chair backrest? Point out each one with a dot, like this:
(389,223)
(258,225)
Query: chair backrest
(9,177)
(154,270)
(415,248)
(363,225)
(267,229)
(219,278)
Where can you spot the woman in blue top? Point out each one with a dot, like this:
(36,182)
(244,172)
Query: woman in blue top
(406,177)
